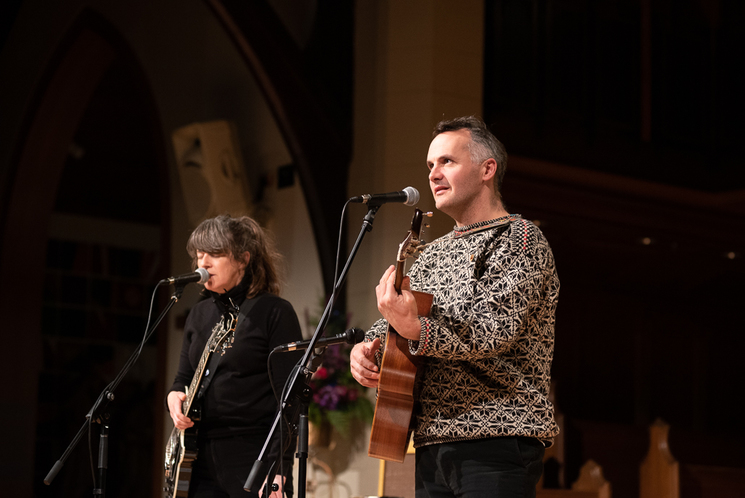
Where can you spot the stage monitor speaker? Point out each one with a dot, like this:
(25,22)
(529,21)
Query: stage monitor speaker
(213,178)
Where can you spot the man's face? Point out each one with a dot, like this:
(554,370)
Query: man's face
(453,178)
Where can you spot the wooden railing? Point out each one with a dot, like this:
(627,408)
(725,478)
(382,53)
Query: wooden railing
(589,484)
(659,475)
(662,476)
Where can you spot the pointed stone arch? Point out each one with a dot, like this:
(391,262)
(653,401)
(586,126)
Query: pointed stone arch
(29,191)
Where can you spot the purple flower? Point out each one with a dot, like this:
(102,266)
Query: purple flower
(327,397)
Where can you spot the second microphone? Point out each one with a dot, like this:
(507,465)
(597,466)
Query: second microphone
(351,336)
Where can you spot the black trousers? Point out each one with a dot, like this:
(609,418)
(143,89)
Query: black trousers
(505,467)
(222,467)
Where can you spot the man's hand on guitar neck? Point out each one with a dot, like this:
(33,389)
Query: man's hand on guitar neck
(363,365)
(175,401)
(400,309)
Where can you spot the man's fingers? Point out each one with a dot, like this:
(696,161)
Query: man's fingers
(387,274)
(362,364)
(366,377)
(374,346)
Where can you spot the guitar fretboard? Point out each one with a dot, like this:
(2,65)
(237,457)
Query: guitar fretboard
(220,333)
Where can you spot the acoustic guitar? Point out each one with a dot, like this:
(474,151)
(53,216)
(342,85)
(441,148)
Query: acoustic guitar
(391,426)
(181,449)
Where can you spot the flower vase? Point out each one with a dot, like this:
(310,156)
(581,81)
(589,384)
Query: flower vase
(319,435)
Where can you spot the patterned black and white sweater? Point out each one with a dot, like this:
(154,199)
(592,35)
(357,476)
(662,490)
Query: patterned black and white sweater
(488,343)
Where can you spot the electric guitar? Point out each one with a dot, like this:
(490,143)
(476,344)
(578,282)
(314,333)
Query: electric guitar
(391,426)
(181,449)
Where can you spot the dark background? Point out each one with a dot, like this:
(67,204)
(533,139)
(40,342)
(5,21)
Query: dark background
(650,321)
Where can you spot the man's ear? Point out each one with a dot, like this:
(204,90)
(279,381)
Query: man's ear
(489,169)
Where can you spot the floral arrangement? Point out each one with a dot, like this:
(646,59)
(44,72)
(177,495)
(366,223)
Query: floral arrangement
(338,399)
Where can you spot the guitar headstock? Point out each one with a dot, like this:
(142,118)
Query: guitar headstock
(413,242)
(224,337)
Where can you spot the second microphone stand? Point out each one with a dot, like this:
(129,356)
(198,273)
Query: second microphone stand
(99,415)
(294,406)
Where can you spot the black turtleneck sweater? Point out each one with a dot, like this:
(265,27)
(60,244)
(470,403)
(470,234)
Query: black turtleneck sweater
(240,401)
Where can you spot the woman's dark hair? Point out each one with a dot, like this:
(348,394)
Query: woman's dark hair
(227,236)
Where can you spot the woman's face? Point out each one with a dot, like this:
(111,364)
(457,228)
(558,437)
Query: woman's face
(225,271)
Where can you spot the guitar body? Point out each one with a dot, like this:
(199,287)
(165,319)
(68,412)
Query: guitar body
(181,452)
(391,426)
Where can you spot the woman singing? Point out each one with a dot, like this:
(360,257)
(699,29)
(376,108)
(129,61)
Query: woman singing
(238,406)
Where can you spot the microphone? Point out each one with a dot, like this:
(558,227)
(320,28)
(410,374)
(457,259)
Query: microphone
(351,336)
(408,196)
(200,276)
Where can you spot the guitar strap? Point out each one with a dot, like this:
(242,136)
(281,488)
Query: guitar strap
(214,360)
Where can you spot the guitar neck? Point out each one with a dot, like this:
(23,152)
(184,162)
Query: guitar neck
(408,247)
(220,333)
(195,381)
(399,275)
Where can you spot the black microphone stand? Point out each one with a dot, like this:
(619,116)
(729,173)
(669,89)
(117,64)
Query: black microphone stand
(99,415)
(294,406)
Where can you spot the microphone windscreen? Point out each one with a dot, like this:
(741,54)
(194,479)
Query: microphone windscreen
(204,275)
(412,196)
(358,335)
